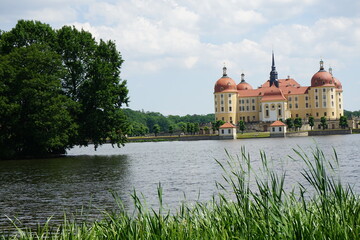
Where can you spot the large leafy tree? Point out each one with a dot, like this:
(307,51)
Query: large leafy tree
(297,123)
(311,122)
(323,122)
(343,122)
(101,96)
(66,70)
(289,123)
(241,125)
(34,115)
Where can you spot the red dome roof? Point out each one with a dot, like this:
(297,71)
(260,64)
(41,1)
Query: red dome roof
(338,84)
(225,84)
(322,78)
(244,86)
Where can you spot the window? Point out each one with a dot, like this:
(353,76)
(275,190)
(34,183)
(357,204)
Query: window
(306,98)
(339,99)
(324,96)
(242,101)
(247,108)
(222,131)
(333,114)
(223,118)
(339,105)
(315,90)
(332,103)
(324,90)
(253,118)
(239,108)
(247,100)
(296,105)
(296,98)
(316,97)
(332,96)
(280,129)
(332,89)
(239,101)
(229,101)
(221,96)
(317,114)
(324,104)
(290,105)
(297,115)
(325,114)
(222,109)
(272,106)
(273,129)
(289,98)
(279,112)
(215,109)
(229,95)
(231,119)
(230,109)
(229,131)
(253,100)
(253,108)
(267,113)
(306,105)
(316,104)
(215,102)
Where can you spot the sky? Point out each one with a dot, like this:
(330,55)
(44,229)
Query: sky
(174,50)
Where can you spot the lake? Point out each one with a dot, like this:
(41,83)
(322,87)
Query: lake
(81,183)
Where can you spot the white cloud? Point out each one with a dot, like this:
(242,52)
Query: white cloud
(170,38)
(52,15)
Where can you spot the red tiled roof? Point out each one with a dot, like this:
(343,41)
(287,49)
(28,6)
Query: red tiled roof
(273,94)
(277,124)
(227,125)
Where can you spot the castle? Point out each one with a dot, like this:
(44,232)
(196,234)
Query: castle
(278,98)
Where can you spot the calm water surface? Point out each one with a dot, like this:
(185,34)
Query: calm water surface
(34,190)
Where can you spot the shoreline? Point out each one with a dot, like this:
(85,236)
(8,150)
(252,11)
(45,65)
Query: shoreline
(245,135)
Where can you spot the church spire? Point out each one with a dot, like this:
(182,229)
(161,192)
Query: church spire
(273,73)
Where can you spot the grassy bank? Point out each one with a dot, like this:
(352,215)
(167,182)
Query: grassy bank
(253,135)
(325,210)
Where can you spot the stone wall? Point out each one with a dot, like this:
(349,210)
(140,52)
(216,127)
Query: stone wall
(297,134)
(330,132)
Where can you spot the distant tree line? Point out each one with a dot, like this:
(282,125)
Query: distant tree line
(58,88)
(350,114)
(142,123)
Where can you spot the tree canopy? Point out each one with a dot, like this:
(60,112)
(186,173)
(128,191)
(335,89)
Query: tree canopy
(169,124)
(59,88)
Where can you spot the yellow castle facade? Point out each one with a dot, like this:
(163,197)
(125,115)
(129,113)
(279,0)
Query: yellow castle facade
(278,98)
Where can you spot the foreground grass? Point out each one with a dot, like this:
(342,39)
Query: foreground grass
(265,211)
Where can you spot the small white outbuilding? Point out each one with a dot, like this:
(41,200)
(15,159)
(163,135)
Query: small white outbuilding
(227,131)
(277,129)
